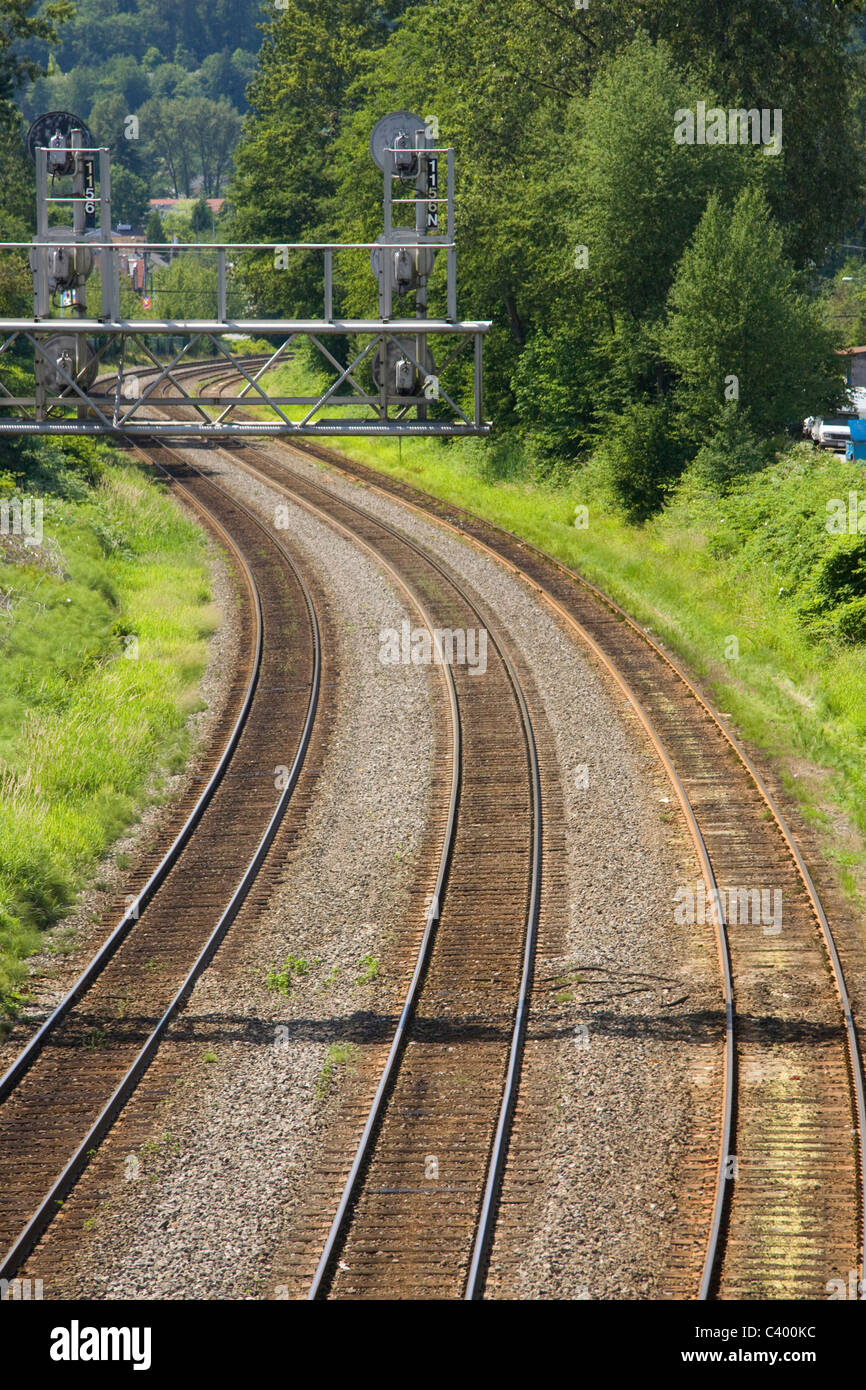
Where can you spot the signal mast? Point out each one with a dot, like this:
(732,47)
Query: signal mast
(61,257)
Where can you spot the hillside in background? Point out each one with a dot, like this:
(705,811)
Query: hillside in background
(162,82)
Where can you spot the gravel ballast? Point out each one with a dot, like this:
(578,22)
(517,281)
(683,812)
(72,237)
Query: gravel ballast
(195,1201)
(219,1134)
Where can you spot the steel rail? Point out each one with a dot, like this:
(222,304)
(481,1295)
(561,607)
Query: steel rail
(352,1184)
(73,1169)
(496,1158)
(486,1223)
(342,1216)
(708,874)
(855,1066)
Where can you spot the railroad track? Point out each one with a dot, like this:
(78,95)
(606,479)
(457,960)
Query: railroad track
(64,1091)
(416,1208)
(785,1206)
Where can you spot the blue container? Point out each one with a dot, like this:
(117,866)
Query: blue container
(856,447)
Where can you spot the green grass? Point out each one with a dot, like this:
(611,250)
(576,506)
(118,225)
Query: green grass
(369,967)
(341,1056)
(282,979)
(301,375)
(84,729)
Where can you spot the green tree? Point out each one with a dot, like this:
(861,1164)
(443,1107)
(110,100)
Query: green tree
(640,458)
(561,137)
(19,27)
(639,195)
(110,124)
(169,141)
(226,75)
(190,137)
(16,280)
(741,328)
(129,197)
(795,57)
(284,165)
(154,230)
(200,215)
(188,285)
(628,201)
(730,451)
(555,388)
(447,61)
(843,303)
(216,126)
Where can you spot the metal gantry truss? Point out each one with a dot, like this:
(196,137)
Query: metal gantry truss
(407,395)
(111,410)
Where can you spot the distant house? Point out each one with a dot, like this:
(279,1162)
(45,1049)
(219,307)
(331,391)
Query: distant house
(131,259)
(165,204)
(856,370)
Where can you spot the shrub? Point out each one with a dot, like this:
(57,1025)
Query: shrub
(640,459)
(555,393)
(731,451)
(851,621)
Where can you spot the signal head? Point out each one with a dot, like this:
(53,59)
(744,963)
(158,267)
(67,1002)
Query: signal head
(54,129)
(394,141)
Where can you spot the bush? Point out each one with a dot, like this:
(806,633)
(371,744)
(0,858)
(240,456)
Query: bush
(154,230)
(732,451)
(840,574)
(832,598)
(56,469)
(555,393)
(640,459)
(851,621)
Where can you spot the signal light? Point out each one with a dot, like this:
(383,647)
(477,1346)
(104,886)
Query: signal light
(67,267)
(64,353)
(395,369)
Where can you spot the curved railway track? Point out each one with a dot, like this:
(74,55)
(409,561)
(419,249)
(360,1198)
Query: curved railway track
(67,1087)
(415,1212)
(782,1207)
(785,1208)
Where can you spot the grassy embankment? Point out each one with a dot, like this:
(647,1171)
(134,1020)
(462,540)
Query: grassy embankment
(757,565)
(89,723)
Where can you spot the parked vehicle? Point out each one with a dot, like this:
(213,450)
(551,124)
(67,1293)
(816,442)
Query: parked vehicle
(834,432)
